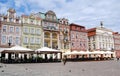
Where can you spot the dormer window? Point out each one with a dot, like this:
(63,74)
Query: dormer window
(5,19)
(17,21)
(60,21)
(31,21)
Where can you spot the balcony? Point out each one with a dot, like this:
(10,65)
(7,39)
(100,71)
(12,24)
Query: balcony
(52,28)
(65,32)
(66,40)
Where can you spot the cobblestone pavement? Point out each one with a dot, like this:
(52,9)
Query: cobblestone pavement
(91,68)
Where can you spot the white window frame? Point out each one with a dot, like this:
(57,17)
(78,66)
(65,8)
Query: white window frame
(25,39)
(11,30)
(32,40)
(17,40)
(17,29)
(4,28)
(3,40)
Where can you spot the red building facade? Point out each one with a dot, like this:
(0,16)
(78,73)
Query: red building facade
(117,43)
(78,37)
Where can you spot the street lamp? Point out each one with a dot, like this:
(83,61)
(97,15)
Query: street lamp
(9,43)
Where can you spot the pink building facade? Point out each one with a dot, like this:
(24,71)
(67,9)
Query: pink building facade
(78,37)
(117,44)
(10,29)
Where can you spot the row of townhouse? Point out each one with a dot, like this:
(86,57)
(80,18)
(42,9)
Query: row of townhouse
(34,31)
(46,30)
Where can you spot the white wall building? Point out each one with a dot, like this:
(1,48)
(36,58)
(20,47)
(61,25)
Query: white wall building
(100,38)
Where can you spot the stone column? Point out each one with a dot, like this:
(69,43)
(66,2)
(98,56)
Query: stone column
(43,56)
(28,56)
(19,55)
(58,56)
(6,55)
(51,39)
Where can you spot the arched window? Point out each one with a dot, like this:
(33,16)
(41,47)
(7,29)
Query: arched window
(47,35)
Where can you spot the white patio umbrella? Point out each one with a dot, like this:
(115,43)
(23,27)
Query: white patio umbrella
(46,49)
(109,52)
(96,52)
(88,52)
(17,48)
(75,52)
(82,52)
(2,49)
(67,53)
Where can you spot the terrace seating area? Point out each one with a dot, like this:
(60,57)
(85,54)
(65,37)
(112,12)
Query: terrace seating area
(18,54)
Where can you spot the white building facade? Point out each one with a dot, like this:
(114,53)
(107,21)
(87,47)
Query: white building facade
(100,38)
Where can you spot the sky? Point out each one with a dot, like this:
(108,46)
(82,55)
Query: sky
(87,13)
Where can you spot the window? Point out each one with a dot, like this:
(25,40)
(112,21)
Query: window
(26,30)
(72,36)
(10,39)
(31,21)
(5,19)
(38,40)
(46,44)
(72,44)
(32,40)
(17,29)
(80,43)
(3,39)
(32,30)
(11,29)
(17,40)
(4,28)
(38,31)
(25,39)
(10,19)
(76,36)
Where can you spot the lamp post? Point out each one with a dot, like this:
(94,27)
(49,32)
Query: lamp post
(9,43)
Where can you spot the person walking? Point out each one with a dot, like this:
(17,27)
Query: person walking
(64,60)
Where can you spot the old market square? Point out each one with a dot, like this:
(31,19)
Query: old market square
(59,38)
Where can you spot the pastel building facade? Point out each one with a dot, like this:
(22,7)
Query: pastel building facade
(100,39)
(78,38)
(117,44)
(64,35)
(50,26)
(31,31)
(10,29)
